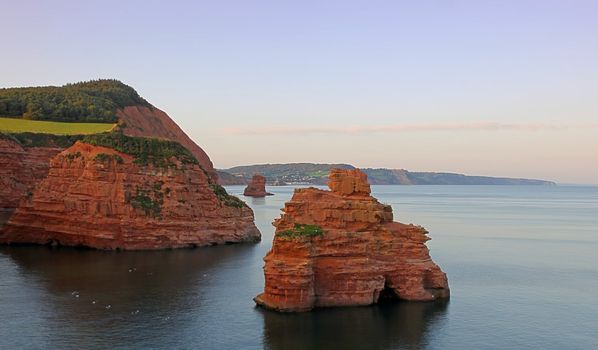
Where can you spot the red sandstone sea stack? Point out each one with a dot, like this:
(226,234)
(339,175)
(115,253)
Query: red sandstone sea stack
(257,187)
(342,248)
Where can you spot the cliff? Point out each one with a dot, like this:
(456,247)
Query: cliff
(143,185)
(257,187)
(21,170)
(143,121)
(342,248)
(98,197)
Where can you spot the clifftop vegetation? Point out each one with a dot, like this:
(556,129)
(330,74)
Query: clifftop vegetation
(91,101)
(47,127)
(145,150)
(31,117)
(31,139)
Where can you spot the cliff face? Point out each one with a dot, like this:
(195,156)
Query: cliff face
(97,197)
(145,122)
(22,168)
(257,187)
(342,248)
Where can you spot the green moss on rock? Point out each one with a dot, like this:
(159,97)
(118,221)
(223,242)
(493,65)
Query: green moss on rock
(104,157)
(30,139)
(302,230)
(150,201)
(226,198)
(72,156)
(147,151)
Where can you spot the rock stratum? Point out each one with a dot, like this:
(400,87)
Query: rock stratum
(342,248)
(257,187)
(145,185)
(98,197)
(22,168)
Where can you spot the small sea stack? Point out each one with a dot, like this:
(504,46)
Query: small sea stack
(257,187)
(342,248)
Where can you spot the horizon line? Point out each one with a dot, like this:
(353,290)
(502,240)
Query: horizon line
(405,127)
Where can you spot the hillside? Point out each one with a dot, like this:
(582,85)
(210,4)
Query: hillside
(86,108)
(91,101)
(94,164)
(309,173)
(225,178)
(405,177)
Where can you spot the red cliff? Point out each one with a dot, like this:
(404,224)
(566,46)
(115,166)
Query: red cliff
(257,187)
(97,197)
(26,166)
(342,248)
(151,122)
(21,170)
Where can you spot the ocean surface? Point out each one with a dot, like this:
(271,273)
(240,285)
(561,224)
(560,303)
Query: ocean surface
(522,264)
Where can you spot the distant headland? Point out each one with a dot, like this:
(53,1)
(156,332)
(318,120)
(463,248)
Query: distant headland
(317,174)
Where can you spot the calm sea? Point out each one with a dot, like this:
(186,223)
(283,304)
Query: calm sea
(522,264)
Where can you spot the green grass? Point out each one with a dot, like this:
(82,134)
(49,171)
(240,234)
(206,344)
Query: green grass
(13,125)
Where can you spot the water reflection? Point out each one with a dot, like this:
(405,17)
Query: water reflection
(116,298)
(402,325)
(201,298)
(258,200)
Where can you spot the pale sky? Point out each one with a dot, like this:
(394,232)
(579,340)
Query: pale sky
(499,88)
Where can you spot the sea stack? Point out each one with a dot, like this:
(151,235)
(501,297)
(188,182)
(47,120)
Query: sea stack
(342,248)
(257,187)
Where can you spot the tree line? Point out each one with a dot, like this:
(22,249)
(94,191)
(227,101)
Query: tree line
(90,101)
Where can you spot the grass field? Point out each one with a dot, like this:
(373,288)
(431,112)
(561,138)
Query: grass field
(56,128)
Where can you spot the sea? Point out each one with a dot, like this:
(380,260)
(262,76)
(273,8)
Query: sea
(522,263)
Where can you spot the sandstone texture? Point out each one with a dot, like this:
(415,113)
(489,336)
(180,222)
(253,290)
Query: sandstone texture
(257,187)
(352,253)
(20,171)
(97,197)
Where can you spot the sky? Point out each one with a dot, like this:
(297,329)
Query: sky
(499,88)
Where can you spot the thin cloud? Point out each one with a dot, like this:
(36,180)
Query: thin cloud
(399,128)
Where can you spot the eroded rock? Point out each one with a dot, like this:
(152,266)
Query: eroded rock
(257,187)
(22,169)
(342,248)
(98,197)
